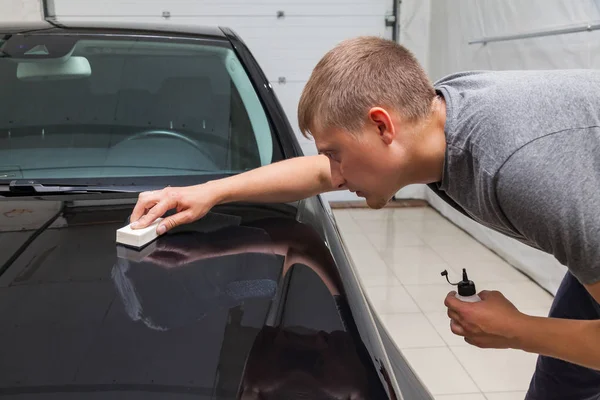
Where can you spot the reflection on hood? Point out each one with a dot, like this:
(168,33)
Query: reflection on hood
(289,364)
(165,298)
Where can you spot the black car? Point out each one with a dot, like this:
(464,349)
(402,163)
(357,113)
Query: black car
(253,301)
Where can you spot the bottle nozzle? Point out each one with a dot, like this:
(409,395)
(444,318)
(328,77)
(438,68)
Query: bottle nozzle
(465,287)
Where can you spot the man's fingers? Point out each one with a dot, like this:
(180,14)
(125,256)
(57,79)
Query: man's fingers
(452,302)
(456,328)
(155,212)
(453,315)
(146,200)
(174,220)
(484,294)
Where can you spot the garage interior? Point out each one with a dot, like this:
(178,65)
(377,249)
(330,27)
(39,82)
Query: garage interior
(400,251)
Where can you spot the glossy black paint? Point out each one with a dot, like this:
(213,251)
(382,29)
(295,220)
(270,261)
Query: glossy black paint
(194,314)
(253,297)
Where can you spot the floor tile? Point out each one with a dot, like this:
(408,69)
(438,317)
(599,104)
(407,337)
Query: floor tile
(411,255)
(462,396)
(436,228)
(386,241)
(362,251)
(490,271)
(345,222)
(391,299)
(456,255)
(505,396)
(430,298)
(366,259)
(524,295)
(399,255)
(412,330)
(440,371)
(369,214)
(416,265)
(421,274)
(441,323)
(377,277)
(356,241)
(496,370)
(384,226)
(445,238)
(366,265)
(408,213)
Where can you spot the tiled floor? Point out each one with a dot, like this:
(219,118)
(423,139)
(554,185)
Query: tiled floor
(399,254)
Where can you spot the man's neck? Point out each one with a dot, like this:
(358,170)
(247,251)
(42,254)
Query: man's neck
(430,145)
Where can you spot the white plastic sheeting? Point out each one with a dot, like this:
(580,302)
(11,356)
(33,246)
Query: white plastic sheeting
(414,27)
(454,23)
(22,11)
(439,32)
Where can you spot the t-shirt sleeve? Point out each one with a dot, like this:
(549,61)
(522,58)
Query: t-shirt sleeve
(549,191)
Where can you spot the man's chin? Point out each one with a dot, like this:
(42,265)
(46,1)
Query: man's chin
(376,203)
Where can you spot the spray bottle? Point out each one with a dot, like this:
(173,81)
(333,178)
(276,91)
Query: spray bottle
(466,288)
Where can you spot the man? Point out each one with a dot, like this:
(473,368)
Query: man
(517,151)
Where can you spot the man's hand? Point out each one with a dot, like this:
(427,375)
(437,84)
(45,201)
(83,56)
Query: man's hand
(491,323)
(191,203)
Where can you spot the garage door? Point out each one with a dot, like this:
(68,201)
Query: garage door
(287,37)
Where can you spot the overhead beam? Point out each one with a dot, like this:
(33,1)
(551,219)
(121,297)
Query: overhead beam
(550,32)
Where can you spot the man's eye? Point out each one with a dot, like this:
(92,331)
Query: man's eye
(330,155)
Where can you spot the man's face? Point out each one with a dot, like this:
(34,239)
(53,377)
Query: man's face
(362,163)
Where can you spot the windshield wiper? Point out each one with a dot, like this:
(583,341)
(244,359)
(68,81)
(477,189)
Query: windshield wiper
(26,187)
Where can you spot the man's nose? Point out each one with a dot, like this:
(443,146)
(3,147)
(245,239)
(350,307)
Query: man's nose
(337,179)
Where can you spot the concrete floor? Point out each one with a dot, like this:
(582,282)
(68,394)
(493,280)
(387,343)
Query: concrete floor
(399,254)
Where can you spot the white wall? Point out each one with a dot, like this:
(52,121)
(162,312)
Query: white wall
(440,41)
(20,10)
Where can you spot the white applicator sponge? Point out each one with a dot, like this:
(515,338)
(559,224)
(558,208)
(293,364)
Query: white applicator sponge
(137,238)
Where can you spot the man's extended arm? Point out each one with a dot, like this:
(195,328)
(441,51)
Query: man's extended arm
(284,181)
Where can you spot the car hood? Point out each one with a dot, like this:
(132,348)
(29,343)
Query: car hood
(245,300)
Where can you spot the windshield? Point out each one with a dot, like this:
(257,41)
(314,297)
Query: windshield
(110,106)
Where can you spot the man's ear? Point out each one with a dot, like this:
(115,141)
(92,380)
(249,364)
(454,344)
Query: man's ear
(382,120)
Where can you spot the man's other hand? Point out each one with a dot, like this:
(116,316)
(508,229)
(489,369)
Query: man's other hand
(491,323)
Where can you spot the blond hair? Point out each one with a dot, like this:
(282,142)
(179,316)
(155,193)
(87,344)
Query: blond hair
(358,74)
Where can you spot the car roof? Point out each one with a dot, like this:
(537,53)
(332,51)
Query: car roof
(115,27)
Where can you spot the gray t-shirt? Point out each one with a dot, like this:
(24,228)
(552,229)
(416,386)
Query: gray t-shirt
(523,158)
